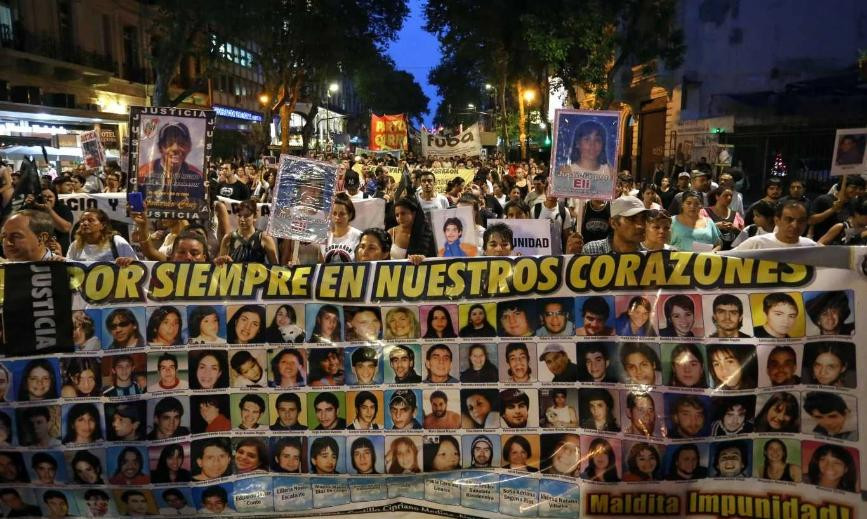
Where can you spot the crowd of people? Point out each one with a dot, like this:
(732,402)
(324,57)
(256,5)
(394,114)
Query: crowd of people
(698,210)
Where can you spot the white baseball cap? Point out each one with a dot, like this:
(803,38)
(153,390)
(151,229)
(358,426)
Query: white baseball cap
(627,206)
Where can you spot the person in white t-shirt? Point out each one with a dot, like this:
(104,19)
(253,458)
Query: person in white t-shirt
(342,238)
(428,198)
(791,221)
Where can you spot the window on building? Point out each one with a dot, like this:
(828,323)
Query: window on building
(6,33)
(131,53)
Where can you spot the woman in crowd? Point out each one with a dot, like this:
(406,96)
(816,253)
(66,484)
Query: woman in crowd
(477,323)
(691,227)
(650,197)
(164,327)
(642,463)
(246,326)
(401,324)
(454,189)
(38,381)
(205,326)
(327,326)
(284,328)
(170,466)
(635,321)
(832,466)
(516,209)
(83,424)
(210,368)
(374,245)
(732,366)
(84,332)
(95,240)
(439,324)
(412,235)
(666,192)
(517,452)
(602,464)
(342,237)
(402,457)
(779,414)
(728,222)
(775,464)
(246,243)
(657,231)
(82,378)
(687,367)
(480,369)
(287,368)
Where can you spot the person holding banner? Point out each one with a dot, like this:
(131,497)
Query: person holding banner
(95,240)
(247,244)
(342,238)
(412,235)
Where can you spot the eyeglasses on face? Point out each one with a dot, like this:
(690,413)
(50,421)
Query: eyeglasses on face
(118,324)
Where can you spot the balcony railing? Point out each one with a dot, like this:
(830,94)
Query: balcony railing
(50,46)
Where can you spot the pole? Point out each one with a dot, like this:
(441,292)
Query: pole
(522,121)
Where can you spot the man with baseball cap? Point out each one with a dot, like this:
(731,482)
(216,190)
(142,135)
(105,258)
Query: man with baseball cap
(628,220)
(700,182)
(402,407)
(557,360)
(402,361)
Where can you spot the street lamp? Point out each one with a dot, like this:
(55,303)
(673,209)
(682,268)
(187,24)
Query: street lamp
(471,106)
(264,98)
(524,97)
(333,88)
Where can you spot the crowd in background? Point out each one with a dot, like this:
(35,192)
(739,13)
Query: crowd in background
(694,208)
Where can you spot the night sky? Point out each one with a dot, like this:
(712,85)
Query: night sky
(417,52)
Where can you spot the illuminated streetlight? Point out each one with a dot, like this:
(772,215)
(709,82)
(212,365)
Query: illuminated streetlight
(529,95)
(471,106)
(264,98)
(542,126)
(488,86)
(333,87)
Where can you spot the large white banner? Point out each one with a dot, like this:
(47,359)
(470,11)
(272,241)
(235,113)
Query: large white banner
(468,142)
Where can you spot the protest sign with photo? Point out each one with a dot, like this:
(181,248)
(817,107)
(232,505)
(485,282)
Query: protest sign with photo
(303,195)
(631,385)
(584,153)
(455,232)
(849,152)
(92,149)
(532,237)
(468,143)
(169,154)
(442,176)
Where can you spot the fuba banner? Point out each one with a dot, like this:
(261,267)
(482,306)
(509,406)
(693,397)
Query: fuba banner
(467,143)
(669,384)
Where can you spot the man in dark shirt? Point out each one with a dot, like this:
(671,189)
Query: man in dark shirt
(828,210)
(557,360)
(230,186)
(17,507)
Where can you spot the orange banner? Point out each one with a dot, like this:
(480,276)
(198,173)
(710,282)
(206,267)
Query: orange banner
(388,132)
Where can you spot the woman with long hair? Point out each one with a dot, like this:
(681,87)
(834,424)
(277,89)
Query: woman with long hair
(284,328)
(82,378)
(170,466)
(439,324)
(287,368)
(517,452)
(164,327)
(728,222)
(477,323)
(732,366)
(776,466)
(690,226)
(374,245)
(832,466)
(95,240)
(779,414)
(443,455)
(38,381)
(84,332)
(247,325)
(342,237)
(643,463)
(687,367)
(83,424)
(412,235)
(326,327)
(480,369)
(210,369)
(635,321)
(589,153)
(204,326)
(401,324)
(402,457)
(86,468)
(602,464)
(679,313)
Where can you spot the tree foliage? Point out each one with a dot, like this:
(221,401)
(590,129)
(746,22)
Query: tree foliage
(387,90)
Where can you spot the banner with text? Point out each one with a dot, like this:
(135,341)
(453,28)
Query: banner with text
(388,132)
(468,143)
(670,384)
